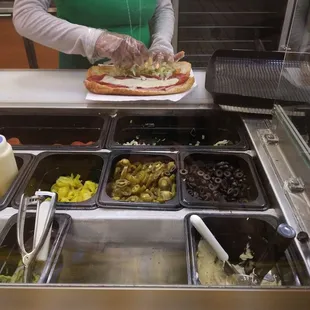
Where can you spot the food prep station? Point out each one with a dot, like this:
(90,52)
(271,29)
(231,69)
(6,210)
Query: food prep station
(128,250)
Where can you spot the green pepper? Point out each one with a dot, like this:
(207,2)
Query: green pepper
(154,190)
(157,175)
(158,166)
(164,183)
(124,172)
(174,189)
(138,168)
(145,167)
(160,200)
(133,199)
(121,183)
(124,162)
(137,164)
(117,192)
(132,179)
(150,180)
(126,191)
(140,176)
(157,193)
(130,169)
(165,195)
(117,173)
(142,189)
(145,179)
(136,189)
(146,197)
(171,167)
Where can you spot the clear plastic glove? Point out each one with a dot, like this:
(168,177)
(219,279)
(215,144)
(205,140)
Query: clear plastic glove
(123,50)
(161,53)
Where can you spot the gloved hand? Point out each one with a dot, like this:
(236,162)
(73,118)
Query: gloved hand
(123,50)
(161,54)
(161,51)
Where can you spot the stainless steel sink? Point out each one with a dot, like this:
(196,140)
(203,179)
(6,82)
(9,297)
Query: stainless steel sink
(127,247)
(125,252)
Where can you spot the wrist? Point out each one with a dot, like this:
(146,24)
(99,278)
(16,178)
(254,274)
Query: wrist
(162,45)
(94,39)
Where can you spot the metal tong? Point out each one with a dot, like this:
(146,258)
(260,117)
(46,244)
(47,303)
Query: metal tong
(40,232)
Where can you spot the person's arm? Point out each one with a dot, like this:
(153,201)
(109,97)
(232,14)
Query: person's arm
(31,20)
(162,28)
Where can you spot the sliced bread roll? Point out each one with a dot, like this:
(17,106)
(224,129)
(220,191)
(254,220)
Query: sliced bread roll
(109,80)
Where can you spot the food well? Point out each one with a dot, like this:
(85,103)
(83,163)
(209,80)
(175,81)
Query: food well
(125,251)
(219,180)
(74,176)
(213,130)
(50,131)
(11,268)
(141,180)
(246,240)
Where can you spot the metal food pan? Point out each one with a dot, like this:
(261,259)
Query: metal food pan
(235,233)
(105,201)
(54,131)
(49,166)
(23,162)
(124,249)
(174,132)
(9,250)
(255,196)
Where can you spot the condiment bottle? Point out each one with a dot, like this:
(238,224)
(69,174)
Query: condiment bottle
(8,166)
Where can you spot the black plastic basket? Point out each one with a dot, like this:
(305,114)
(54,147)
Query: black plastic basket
(250,81)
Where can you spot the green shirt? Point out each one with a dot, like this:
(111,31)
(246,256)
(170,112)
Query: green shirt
(112,15)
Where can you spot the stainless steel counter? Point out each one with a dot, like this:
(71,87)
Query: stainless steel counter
(103,222)
(65,89)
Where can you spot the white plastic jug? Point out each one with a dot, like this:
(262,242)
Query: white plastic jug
(8,166)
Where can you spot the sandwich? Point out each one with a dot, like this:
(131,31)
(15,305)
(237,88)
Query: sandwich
(147,80)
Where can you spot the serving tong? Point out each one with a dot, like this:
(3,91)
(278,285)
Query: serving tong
(282,239)
(43,226)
